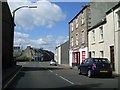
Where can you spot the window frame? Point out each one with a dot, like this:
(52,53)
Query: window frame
(101,33)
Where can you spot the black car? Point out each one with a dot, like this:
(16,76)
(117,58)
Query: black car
(95,66)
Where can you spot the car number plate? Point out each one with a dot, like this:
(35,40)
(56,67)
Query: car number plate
(103,71)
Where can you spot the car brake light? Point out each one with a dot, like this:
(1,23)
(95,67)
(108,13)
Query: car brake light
(94,65)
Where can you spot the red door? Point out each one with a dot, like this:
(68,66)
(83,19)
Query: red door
(83,55)
(112,57)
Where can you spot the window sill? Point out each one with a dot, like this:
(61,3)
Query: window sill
(118,29)
(92,43)
(102,41)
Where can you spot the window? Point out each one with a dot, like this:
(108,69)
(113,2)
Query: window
(76,39)
(82,18)
(118,16)
(83,36)
(101,32)
(93,54)
(71,26)
(93,35)
(76,23)
(101,54)
(72,41)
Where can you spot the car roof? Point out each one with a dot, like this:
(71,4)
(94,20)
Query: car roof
(97,58)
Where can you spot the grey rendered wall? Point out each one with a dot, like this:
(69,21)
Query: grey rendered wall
(98,10)
(65,53)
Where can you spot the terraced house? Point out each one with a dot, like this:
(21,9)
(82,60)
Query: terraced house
(78,27)
(104,37)
(89,34)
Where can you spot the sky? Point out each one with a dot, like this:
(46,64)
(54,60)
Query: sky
(46,26)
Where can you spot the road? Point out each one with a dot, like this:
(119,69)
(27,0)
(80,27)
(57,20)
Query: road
(42,75)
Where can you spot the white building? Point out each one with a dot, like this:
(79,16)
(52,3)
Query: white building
(104,38)
(113,18)
(58,54)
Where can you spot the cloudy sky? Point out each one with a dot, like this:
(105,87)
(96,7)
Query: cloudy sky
(45,26)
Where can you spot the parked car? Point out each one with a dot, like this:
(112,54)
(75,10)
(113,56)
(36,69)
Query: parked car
(53,62)
(95,66)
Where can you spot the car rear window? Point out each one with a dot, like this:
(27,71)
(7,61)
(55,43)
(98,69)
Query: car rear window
(101,60)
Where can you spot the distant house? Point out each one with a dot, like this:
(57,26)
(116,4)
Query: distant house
(35,54)
(62,53)
(16,51)
(38,55)
(27,54)
(16,48)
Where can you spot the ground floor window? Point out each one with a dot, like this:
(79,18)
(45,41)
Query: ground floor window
(101,54)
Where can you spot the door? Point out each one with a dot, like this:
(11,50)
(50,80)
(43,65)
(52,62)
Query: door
(84,66)
(89,55)
(112,57)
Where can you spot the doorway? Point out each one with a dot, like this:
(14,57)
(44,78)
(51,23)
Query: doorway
(112,57)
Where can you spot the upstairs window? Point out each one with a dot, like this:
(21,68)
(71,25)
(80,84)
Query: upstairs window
(118,21)
(71,26)
(101,32)
(93,35)
(76,39)
(83,36)
(72,41)
(76,22)
(82,18)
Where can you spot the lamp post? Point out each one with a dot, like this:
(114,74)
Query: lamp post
(14,11)
(20,8)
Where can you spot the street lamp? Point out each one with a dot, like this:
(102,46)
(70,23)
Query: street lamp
(20,8)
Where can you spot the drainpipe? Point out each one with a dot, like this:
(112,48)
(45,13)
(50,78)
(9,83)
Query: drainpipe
(114,34)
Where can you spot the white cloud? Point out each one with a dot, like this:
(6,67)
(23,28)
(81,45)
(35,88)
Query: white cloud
(46,14)
(20,35)
(48,42)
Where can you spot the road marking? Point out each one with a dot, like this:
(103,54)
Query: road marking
(50,70)
(66,79)
(56,74)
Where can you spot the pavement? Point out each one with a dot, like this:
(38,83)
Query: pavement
(9,74)
(76,68)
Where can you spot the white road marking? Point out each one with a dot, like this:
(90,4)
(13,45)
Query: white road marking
(66,79)
(56,74)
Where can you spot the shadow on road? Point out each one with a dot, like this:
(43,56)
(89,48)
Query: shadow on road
(40,68)
(79,87)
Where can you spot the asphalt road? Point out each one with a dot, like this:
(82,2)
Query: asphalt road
(41,75)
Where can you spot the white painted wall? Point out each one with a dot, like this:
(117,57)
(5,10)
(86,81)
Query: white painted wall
(70,57)
(108,39)
(59,55)
(117,42)
(111,38)
(86,52)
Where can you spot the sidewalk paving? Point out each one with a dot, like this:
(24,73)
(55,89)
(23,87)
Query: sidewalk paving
(76,68)
(7,74)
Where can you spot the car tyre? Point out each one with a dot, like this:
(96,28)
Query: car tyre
(80,73)
(89,73)
(110,76)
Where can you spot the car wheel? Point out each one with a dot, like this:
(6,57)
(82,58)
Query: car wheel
(89,73)
(80,72)
(110,75)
